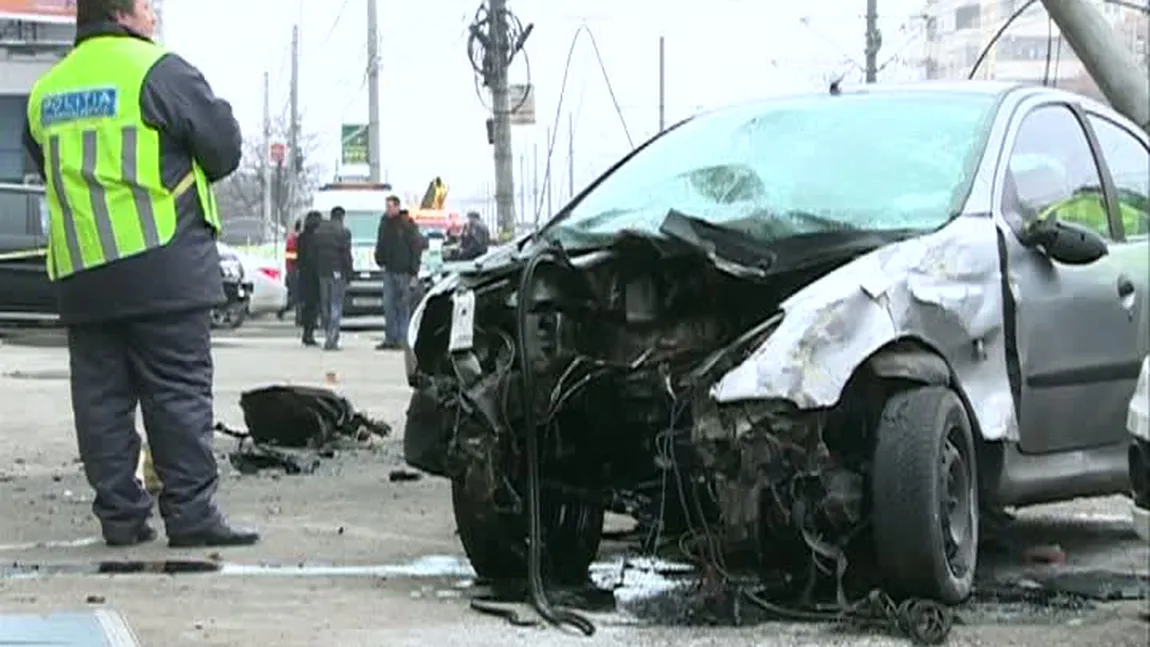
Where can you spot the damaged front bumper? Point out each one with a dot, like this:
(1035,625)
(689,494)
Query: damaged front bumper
(736,411)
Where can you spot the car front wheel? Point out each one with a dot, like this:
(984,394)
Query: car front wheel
(496,540)
(924,490)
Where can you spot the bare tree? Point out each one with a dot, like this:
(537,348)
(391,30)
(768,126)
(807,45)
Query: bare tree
(240,195)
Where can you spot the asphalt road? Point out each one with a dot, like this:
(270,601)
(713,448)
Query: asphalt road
(352,559)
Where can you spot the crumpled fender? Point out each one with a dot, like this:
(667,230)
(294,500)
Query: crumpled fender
(942,290)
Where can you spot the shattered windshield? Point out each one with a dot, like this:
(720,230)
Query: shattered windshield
(873,162)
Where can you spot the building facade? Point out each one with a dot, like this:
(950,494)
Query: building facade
(27,50)
(1031,50)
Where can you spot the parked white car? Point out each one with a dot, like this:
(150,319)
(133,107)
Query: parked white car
(269,293)
(1138,422)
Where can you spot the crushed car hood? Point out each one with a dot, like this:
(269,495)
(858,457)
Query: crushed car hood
(942,290)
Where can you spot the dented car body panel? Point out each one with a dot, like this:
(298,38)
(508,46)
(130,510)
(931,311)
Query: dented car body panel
(764,358)
(942,291)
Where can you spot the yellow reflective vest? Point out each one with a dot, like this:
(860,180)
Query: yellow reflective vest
(106,196)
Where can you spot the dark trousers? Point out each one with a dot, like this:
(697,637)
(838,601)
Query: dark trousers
(164,365)
(309,313)
(331,293)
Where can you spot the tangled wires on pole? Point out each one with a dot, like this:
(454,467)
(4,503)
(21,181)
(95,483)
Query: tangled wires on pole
(481,51)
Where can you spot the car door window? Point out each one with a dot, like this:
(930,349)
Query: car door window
(1129,162)
(1052,172)
(13,213)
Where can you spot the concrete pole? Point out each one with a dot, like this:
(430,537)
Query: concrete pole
(265,161)
(570,155)
(295,156)
(1122,79)
(374,163)
(498,59)
(873,41)
(662,85)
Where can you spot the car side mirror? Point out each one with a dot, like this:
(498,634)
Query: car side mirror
(1065,242)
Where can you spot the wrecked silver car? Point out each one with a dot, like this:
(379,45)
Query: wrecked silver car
(813,336)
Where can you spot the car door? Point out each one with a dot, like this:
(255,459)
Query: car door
(1073,326)
(22,271)
(1126,157)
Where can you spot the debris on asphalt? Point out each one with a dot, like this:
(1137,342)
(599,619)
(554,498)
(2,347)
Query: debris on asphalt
(1051,554)
(400,476)
(94,599)
(291,428)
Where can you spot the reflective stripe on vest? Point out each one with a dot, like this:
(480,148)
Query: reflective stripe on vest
(106,196)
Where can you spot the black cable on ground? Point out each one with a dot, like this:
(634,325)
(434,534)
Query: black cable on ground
(538,593)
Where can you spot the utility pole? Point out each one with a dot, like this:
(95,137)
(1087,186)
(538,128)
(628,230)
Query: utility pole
(374,163)
(265,162)
(873,41)
(570,155)
(294,154)
(535,183)
(522,186)
(547,175)
(662,86)
(497,60)
(1121,78)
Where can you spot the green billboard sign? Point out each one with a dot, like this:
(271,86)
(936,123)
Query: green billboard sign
(353,144)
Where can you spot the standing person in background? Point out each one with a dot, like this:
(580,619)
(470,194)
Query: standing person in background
(307,276)
(291,256)
(475,239)
(398,248)
(129,138)
(332,245)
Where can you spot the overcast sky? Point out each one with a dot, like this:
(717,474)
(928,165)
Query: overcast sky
(432,121)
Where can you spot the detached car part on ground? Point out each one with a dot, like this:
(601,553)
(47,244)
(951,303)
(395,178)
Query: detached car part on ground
(810,338)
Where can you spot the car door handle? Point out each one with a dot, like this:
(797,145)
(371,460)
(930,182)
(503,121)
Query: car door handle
(1125,286)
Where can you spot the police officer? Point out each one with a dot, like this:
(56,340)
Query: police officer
(129,139)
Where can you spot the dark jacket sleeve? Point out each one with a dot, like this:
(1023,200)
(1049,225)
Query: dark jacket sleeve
(345,254)
(178,101)
(379,242)
(33,149)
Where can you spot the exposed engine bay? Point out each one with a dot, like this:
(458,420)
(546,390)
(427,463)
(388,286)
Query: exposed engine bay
(600,365)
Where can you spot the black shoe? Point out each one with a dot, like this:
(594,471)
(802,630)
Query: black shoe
(220,534)
(388,345)
(143,534)
(310,342)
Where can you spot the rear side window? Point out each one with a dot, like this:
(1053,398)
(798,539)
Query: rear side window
(1129,163)
(14,213)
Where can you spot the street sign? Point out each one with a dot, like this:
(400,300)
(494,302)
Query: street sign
(277,153)
(522,104)
(353,144)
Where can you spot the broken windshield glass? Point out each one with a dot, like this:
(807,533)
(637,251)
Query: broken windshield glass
(787,167)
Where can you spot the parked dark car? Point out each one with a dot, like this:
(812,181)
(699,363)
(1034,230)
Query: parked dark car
(26,294)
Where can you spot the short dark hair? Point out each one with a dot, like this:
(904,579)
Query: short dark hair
(94,11)
(391,199)
(337,212)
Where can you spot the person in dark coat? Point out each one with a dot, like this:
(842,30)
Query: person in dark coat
(307,277)
(475,238)
(398,248)
(331,243)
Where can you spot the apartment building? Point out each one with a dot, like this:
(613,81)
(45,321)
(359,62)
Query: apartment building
(958,31)
(27,49)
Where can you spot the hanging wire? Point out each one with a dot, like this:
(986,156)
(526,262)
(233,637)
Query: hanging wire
(997,35)
(478,51)
(583,28)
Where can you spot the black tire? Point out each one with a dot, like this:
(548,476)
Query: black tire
(925,515)
(496,542)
